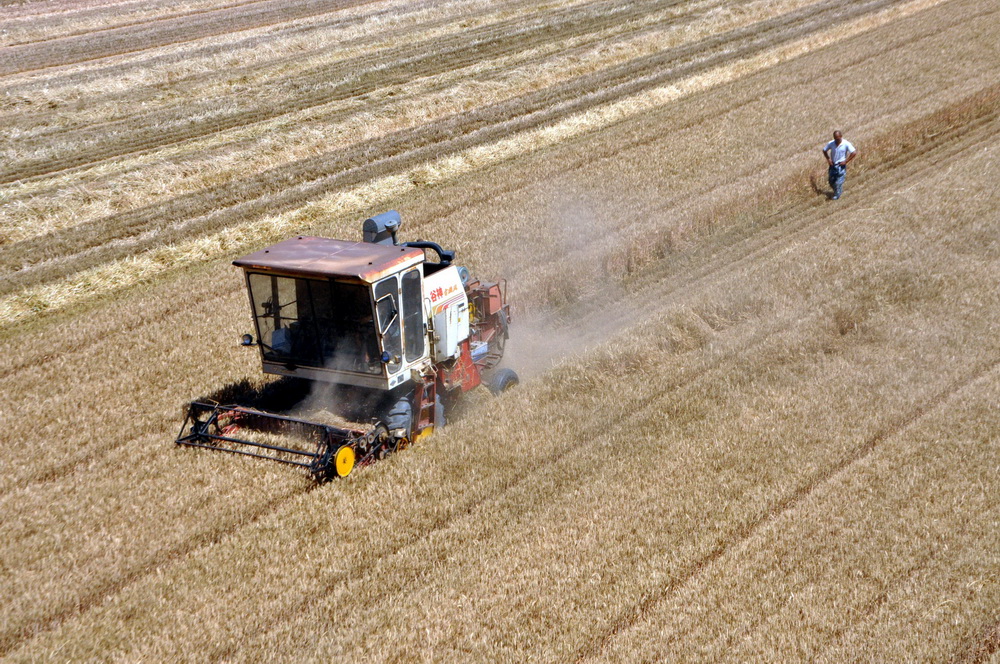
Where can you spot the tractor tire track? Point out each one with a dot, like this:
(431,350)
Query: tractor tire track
(867,610)
(154,34)
(341,81)
(748,530)
(17,634)
(284,188)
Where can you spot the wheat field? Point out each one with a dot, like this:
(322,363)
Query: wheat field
(753,425)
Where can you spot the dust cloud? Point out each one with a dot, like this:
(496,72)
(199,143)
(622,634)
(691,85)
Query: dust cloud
(582,305)
(581,231)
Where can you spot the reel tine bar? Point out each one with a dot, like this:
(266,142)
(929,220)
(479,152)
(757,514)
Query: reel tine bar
(210,426)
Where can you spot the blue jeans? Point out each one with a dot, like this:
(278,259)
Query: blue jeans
(835,176)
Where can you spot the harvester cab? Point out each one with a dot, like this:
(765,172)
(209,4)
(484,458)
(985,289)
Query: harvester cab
(399,333)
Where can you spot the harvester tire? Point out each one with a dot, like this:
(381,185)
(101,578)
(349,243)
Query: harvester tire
(400,416)
(502,380)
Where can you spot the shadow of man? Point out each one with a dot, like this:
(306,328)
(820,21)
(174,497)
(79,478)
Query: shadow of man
(814,182)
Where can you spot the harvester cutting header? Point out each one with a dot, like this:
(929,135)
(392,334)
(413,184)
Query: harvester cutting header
(400,335)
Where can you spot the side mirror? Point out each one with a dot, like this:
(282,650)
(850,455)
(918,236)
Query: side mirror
(246,340)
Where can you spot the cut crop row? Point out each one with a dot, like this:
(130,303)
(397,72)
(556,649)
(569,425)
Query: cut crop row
(144,131)
(152,34)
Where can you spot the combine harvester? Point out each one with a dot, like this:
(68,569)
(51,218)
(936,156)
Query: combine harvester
(398,335)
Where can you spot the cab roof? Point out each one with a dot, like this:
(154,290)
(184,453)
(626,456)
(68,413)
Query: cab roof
(322,257)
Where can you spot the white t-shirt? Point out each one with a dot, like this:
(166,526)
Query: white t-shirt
(839,152)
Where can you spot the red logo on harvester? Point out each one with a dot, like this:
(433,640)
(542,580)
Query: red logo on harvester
(439,293)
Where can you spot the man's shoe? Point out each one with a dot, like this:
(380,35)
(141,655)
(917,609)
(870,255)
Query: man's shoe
(835,198)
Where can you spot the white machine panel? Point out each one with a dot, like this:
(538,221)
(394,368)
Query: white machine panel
(448,309)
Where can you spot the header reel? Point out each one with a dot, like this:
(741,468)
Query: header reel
(238,430)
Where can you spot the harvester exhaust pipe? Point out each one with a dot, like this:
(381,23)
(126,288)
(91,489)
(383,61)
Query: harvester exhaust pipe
(382,228)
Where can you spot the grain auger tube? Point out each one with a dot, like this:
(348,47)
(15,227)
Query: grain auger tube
(399,329)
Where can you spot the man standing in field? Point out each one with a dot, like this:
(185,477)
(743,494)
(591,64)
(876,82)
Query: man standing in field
(839,154)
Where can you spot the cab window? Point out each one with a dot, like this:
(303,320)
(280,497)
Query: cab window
(413,315)
(315,323)
(387,313)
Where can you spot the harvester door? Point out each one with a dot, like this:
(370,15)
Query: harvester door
(387,315)
(414,328)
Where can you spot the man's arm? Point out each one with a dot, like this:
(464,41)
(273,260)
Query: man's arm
(828,153)
(850,157)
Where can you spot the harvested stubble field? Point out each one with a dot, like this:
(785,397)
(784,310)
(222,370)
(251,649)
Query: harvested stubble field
(756,425)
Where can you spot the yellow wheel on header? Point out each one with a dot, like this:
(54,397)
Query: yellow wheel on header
(343,461)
